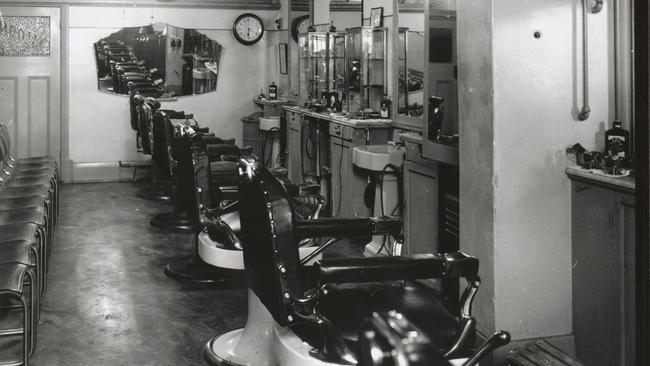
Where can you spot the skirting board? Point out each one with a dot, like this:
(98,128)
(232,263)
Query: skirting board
(102,172)
(566,343)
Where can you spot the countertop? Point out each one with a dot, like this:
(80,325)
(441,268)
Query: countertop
(358,123)
(411,136)
(622,184)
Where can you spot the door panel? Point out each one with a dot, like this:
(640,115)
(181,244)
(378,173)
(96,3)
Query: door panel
(30,82)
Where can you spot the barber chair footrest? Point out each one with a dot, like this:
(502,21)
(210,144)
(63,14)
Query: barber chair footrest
(193,269)
(170,221)
(153,193)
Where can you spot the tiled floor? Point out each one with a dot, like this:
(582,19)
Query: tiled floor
(108,301)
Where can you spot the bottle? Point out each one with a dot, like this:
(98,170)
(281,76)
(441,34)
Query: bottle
(261,96)
(617,141)
(273,91)
(384,107)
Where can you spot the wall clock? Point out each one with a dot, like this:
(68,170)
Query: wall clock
(299,25)
(248,28)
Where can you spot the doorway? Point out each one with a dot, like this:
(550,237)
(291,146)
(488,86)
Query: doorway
(30,79)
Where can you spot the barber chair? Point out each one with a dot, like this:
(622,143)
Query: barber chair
(317,322)
(390,339)
(215,179)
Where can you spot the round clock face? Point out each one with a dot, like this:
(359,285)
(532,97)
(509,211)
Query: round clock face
(248,28)
(299,25)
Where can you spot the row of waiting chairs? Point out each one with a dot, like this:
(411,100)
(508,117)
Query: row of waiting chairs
(29,208)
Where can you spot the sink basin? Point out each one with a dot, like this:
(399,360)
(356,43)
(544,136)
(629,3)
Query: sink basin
(375,157)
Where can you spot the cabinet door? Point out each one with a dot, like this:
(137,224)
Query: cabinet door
(421,208)
(293,147)
(624,240)
(348,183)
(596,277)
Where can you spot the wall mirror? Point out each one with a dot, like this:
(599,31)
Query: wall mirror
(410,64)
(442,92)
(181,61)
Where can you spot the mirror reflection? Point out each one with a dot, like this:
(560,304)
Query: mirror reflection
(179,61)
(443,85)
(410,72)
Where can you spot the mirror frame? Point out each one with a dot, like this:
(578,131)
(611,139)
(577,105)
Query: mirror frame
(402,121)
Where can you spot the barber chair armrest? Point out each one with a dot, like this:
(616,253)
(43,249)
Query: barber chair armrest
(305,189)
(216,151)
(348,227)
(347,270)
(246,150)
(172,114)
(214,140)
(203,130)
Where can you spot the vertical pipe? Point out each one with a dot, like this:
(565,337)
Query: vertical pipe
(583,115)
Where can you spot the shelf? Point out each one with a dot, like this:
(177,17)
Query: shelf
(374,86)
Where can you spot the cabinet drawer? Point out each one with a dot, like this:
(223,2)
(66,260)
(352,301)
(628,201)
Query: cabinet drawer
(341,131)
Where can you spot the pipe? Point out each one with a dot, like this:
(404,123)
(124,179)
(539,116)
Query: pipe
(583,115)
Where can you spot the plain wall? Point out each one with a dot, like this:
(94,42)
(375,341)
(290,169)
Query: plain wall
(518,102)
(99,122)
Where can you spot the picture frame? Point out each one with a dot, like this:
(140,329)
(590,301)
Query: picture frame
(377,17)
(283,48)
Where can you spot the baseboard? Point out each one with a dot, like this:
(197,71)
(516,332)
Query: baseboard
(105,172)
(566,343)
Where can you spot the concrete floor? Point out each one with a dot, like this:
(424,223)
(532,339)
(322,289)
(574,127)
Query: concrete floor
(108,301)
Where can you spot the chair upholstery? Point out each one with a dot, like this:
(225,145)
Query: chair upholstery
(12,277)
(329,315)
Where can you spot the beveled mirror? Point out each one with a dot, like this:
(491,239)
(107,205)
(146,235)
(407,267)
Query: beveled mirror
(179,61)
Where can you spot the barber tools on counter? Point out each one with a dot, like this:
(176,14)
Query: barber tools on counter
(615,161)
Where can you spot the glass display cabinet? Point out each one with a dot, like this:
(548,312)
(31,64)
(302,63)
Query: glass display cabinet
(366,68)
(321,57)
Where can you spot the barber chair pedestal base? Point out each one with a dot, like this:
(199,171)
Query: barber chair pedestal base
(290,350)
(252,345)
(193,269)
(171,221)
(154,193)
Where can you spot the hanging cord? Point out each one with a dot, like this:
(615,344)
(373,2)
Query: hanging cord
(394,170)
(269,132)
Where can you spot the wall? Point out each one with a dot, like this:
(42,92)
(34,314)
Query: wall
(100,134)
(523,236)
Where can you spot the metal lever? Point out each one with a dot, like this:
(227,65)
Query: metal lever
(498,339)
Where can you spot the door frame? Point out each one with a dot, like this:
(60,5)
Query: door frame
(65,165)
(642,152)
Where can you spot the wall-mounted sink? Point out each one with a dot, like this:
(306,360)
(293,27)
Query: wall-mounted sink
(376,157)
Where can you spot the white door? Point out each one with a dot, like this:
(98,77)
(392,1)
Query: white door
(30,80)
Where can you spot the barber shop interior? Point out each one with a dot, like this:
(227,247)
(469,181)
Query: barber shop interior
(324,182)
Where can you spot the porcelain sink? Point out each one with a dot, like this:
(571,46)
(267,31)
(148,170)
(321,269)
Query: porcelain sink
(375,157)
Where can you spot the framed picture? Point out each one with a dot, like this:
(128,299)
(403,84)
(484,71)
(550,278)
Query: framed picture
(283,59)
(377,17)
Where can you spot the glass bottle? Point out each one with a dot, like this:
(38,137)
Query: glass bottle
(617,141)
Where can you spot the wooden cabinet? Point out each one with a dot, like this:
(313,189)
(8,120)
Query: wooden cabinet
(420,208)
(420,202)
(603,274)
(294,151)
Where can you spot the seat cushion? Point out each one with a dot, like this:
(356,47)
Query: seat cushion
(27,181)
(26,231)
(23,215)
(46,172)
(348,305)
(14,192)
(21,202)
(18,251)
(12,276)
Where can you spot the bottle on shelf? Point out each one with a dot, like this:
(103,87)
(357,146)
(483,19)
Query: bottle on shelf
(617,141)
(273,91)
(384,107)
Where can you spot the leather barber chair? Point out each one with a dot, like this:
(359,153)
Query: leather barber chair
(317,321)
(390,339)
(178,144)
(215,178)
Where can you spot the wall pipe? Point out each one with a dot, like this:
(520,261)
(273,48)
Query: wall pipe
(583,115)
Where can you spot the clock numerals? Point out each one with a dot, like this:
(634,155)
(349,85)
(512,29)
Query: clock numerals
(248,28)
